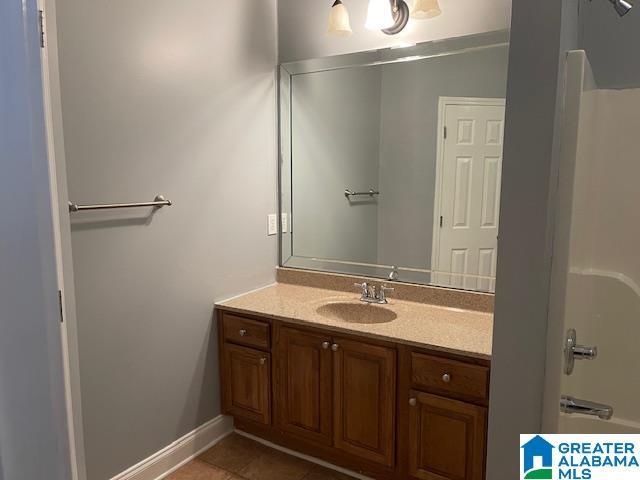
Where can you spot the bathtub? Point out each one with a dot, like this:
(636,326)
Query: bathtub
(581,424)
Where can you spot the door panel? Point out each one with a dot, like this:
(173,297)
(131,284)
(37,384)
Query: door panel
(364,400)
(446,438)
(246,383)
(304,384)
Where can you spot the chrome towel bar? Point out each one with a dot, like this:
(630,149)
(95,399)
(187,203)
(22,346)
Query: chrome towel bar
(158,202)
(348,193)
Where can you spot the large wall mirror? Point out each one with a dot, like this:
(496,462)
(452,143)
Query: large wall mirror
(391,161)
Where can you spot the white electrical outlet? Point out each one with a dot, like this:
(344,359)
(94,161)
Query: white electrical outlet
(285,222)
(272,224)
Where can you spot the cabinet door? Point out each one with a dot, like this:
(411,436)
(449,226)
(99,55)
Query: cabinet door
(364,400)
(246,383)
(446,438)
(304,384)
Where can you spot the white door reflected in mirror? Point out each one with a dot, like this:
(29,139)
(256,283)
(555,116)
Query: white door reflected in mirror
(467,199)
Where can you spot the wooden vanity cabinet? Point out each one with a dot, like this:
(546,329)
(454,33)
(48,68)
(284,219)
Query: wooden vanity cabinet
(304,381)
(446,438)
(386,410)
(337,391)
(246,385)
(364,390)
(245,367)
(443,412)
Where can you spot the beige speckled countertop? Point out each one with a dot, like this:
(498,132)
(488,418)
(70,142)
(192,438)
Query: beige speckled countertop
(452,330)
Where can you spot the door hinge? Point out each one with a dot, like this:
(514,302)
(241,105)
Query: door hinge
(441,221)
(445,132)
(60,306)
(41,24)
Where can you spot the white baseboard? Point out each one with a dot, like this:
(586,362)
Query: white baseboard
(308,458)
(183,450)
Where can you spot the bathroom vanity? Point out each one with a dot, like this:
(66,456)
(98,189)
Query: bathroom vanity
(392,391)
(389,170)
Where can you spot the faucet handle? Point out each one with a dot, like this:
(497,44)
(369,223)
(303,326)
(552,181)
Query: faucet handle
(362,286)
(384,288)
(382,296)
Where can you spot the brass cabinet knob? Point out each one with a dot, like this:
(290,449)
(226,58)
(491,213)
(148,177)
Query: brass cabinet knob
(413,402)
(242,332)
(446,378)
(335,347)
(325,345)
(263,360)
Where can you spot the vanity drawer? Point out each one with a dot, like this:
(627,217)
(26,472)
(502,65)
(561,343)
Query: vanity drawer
(245,331)
(446,376)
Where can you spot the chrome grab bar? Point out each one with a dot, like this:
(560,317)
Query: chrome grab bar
(574,405)
(158,202)
(349,193)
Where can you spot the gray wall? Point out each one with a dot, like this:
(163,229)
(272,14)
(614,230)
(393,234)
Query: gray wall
(408,141)
(336,134)
(173,98)
(33,433)
(302,25)
(541,32)
(611,43)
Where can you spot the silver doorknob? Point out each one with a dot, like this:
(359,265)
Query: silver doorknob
(325,345)
(242,332)
(413,402)
(263,360)
(335,347)
(446,378)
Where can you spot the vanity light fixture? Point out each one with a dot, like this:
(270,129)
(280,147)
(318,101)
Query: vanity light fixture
(423,9)
(388,16)
(400,12)
(339,25)
(379,15)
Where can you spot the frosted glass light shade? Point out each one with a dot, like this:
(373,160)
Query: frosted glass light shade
(379,15)
(423,9)
(339,25)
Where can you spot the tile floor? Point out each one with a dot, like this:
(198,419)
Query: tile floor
(240,458)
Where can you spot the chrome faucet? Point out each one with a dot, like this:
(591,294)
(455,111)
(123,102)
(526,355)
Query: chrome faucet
(393,275)
(371,294)
(574,405)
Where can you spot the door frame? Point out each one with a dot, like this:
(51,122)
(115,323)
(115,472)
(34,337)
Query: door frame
(443,103)
(59,197)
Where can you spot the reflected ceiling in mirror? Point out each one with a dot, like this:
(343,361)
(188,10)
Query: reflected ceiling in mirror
(391,162)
